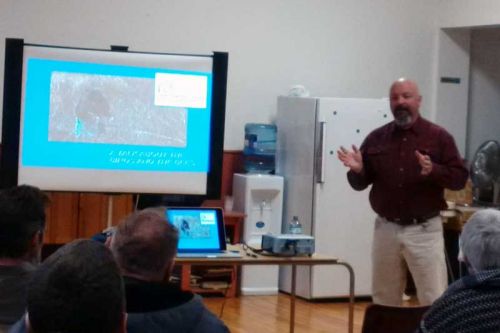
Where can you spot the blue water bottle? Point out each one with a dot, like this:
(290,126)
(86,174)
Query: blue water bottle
(260,148)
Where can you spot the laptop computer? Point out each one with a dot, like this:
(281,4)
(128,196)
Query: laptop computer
(201,232)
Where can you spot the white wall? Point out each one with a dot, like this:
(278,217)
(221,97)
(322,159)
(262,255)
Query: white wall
(467,13)
(334,47)
(456,19)
(484,97)
(452,99)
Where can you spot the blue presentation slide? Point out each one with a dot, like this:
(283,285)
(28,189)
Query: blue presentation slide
(114,117)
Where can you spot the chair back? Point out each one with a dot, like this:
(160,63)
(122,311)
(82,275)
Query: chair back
(392,319)
(4,328)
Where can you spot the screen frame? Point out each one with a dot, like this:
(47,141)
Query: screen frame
(13,73)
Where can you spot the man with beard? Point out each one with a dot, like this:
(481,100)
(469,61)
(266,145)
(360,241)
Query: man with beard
(409,162)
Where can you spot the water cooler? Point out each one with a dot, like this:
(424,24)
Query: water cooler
(260,197)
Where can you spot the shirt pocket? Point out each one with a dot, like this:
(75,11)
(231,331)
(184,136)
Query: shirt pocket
(378,158)
(429,148)
(376,152)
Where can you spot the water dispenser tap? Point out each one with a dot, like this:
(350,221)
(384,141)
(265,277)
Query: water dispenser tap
(263,204)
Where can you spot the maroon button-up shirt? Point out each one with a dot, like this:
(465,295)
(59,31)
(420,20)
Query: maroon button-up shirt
(398,190)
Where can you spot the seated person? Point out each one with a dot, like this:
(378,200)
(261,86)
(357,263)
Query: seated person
(145,245)
(22,222)
(472,304)
(78,288)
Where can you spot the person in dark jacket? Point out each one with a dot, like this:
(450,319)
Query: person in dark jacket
(78,288)
(145,246)
(22,224)
(472,304)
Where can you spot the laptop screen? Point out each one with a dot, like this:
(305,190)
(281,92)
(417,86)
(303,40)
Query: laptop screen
(200,229)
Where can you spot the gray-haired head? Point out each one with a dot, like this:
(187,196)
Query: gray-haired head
(145,245)
(480,240)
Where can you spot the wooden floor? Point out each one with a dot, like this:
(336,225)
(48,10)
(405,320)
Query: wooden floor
(271,314)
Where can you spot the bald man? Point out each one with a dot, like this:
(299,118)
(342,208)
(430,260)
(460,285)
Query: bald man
(409,162)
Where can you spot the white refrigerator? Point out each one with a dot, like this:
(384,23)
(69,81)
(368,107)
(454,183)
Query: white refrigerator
(310,131)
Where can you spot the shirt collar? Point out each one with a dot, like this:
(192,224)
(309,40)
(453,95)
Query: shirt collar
(417,127)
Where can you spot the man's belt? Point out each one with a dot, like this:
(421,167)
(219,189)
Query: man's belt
(412,220)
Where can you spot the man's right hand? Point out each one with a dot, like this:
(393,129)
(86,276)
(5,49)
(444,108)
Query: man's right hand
(351,159)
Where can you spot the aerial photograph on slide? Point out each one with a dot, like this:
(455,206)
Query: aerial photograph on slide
(106,109)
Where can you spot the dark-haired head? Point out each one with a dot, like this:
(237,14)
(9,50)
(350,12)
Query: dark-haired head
(22,221)
(77,289)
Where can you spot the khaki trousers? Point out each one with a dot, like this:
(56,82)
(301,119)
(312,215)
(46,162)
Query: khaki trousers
(421,246)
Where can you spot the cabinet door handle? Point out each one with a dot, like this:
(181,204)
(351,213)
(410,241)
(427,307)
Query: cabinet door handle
(320,159)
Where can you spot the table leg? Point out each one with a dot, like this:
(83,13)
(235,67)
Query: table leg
(292,299)
(186,277)
(351,294)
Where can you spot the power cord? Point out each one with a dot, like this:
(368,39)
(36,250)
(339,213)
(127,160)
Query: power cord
(251,251)
(221,312)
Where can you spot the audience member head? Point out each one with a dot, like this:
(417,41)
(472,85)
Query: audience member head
(22,221)
(480,240)
(145,245)
(77,289)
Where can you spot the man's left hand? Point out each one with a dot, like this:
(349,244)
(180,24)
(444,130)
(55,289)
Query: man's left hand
(425,162)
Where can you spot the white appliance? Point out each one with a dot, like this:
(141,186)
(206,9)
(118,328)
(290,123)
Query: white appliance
(260,197)
(310,131)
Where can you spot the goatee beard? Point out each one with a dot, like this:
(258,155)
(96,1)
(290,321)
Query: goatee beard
(402,117)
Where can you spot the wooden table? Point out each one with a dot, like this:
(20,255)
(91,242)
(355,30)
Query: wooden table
(233,222)
(455,219)
(276,260)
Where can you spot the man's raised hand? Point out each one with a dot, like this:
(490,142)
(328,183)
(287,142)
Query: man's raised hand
(351,159)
